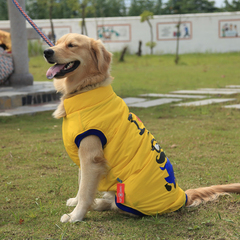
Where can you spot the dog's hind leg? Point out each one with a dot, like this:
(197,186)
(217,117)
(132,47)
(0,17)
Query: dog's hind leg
(72,202)
(106,203)
(93,167)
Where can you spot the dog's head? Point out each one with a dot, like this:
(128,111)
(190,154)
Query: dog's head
(79,60)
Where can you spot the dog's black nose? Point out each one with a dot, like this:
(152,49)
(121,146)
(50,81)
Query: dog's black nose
(48,53)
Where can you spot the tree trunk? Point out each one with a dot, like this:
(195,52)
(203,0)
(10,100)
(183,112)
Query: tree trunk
(51,22)
(84,28)
(121,59)
(139,52)
(177,47)
(151,31)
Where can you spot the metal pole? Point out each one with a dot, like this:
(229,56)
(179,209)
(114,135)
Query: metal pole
(21,75)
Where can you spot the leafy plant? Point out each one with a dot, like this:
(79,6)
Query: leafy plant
(34,48)
(146,16)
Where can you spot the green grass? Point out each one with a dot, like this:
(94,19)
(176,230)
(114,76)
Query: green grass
(159,73)
(37,176)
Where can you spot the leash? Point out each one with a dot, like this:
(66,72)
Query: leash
(43,36)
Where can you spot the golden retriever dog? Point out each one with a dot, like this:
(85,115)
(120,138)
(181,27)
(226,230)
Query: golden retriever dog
(115,153)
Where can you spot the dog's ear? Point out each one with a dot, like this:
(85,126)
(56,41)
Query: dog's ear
(101,56)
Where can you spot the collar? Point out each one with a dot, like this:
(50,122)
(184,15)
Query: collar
(87,99)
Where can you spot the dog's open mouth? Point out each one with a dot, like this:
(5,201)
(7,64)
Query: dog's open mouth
(59,70)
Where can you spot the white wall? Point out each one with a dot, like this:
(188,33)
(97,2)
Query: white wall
(205,32)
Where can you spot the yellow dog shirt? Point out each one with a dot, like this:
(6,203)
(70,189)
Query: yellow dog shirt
(132,153)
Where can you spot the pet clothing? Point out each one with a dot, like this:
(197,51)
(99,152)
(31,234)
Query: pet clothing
(132,153)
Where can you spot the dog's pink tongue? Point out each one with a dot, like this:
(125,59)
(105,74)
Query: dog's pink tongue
(52,71)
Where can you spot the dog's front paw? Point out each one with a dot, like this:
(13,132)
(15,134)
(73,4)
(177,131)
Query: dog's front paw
(65,218)
(70,218)
(71,202)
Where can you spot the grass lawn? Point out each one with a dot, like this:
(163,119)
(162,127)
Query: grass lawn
(203,144)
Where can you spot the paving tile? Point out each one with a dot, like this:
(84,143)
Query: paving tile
(155,102)
(43,89)
(44,85)
(237,106)
(12,93)
(29,109)
(130,100)
(209,92)
(220,89)
(233,86)
(170,95)
(205,102)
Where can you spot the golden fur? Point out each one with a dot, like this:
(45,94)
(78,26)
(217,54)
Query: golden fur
(93,72)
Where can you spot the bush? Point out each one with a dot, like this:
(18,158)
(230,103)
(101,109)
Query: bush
(34,48)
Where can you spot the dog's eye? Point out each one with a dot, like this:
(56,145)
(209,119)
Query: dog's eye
(70,45)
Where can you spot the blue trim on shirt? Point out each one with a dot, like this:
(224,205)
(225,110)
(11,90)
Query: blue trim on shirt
(128,209)
(89,132)
(136,212)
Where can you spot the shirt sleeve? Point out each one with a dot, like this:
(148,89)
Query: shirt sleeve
(89,132)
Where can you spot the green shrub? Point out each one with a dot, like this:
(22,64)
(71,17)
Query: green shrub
(34,48)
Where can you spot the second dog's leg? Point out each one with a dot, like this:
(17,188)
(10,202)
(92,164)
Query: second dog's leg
(72,202)
(93,166)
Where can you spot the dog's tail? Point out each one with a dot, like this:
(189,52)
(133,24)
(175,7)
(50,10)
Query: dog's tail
(205,194)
